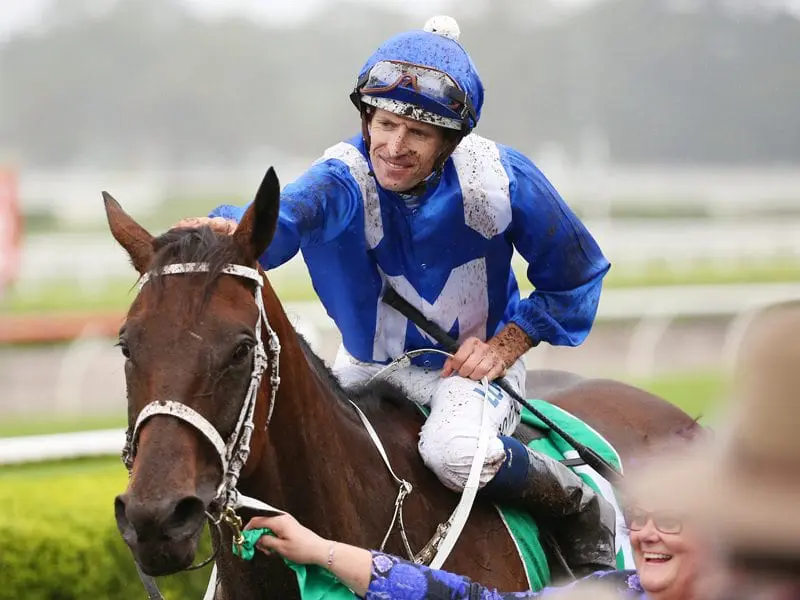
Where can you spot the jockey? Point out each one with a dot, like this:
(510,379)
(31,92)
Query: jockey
(418,202)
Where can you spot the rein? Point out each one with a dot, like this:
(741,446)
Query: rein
(439,547)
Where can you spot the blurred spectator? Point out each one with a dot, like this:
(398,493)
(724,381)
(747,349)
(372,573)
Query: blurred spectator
(744,488)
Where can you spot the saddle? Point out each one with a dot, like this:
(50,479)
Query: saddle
(539,383)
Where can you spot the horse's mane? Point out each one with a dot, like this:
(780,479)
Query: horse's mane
(373,398)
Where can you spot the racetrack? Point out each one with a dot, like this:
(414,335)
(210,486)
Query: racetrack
(86,376)
(630,243)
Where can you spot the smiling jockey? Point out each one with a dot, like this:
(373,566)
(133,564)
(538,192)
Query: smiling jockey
(418,202)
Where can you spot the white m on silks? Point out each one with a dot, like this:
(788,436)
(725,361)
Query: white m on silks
(464,298)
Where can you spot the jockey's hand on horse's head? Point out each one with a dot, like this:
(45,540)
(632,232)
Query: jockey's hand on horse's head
(217,224)
(475,360)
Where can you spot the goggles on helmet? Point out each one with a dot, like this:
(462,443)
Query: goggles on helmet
(417,91)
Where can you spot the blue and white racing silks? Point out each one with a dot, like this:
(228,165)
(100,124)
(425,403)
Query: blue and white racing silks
(449,256)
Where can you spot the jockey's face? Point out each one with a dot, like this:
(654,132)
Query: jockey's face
(403,151)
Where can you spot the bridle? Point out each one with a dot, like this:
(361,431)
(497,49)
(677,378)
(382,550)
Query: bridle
(233,451)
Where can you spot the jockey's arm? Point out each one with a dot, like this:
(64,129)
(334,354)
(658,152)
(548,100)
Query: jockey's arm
(314,209)
(565,264)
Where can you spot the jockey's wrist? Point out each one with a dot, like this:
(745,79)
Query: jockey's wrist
(510,343)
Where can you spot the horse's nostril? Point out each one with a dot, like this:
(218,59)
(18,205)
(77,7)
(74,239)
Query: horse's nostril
(186,518)
(120,510)
(165,520)
(119,506)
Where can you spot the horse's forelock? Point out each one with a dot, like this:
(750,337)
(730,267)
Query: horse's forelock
(194,245)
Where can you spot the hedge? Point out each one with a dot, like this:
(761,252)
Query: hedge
(59,541)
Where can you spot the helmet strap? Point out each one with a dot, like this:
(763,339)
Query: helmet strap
(365,118)
(451,142)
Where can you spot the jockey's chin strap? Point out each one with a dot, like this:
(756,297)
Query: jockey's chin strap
(234,451)
(439,547)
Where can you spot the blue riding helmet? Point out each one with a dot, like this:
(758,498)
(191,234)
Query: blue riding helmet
(425,76)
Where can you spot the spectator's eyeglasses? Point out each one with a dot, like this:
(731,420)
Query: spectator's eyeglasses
(665,521)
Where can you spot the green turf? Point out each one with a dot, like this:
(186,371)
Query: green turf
(67,296)
(293,284)
(706,273)
(15,426)
(110,465)
(699,394)
(696,393)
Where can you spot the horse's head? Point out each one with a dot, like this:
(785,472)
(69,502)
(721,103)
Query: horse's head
(191,341)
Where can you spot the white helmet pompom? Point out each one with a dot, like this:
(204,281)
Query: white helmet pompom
(444,26)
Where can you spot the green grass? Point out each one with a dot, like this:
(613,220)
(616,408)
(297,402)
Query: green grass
(58,538)
(117,295)
(16,427)
(696,393)
(107,465)
(706,273)
(62,295)
(292,283)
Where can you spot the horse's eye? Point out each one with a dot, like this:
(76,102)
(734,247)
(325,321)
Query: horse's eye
(242,350)
(123,347)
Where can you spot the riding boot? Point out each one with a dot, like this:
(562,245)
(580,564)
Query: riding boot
(583,521)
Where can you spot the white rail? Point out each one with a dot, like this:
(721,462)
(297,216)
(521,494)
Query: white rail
(652,309)
(37,448)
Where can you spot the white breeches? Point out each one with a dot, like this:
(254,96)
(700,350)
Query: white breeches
(449,437)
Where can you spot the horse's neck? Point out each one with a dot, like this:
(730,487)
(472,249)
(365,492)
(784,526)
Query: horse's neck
(317,462)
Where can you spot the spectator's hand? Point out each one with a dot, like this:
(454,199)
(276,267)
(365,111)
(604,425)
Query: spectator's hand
(217,224)
(475,360)
(291,540)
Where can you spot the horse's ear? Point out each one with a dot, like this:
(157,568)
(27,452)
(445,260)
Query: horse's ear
(255,231)
(136,240)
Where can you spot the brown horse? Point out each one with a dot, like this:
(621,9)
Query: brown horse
(189,340)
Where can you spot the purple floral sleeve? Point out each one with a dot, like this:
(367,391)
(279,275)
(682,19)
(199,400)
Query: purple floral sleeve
(393,578)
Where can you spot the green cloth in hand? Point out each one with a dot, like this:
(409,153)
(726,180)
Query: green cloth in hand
(315,583)
(248,549)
